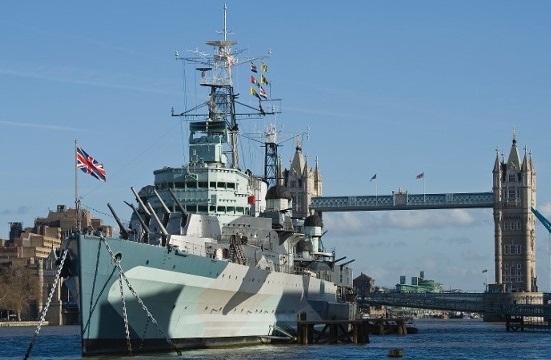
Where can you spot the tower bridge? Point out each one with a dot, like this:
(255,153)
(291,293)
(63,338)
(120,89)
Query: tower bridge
(512,198)
(403,201)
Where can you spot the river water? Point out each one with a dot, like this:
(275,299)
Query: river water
(436,339)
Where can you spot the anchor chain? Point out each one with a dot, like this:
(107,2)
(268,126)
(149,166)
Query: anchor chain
(125,316)
(45,310)
(135,294)
(144,333)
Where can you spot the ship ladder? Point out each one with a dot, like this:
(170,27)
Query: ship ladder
(122,275)
(45,310)
(236,246)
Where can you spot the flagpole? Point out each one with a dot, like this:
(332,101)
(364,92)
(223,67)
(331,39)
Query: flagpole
(77,203)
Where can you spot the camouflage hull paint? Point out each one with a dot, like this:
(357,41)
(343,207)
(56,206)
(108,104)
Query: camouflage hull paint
(196,301)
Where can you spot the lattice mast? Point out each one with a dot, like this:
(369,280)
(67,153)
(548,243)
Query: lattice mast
(216,73)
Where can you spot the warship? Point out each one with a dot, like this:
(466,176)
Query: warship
(212,255)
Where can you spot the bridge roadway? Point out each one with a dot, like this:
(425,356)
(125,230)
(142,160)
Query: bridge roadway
(466,302)
(403,201)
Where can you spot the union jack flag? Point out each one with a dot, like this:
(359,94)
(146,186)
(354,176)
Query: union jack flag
(89,165)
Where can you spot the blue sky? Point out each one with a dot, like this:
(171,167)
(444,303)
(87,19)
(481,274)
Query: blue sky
(388,87)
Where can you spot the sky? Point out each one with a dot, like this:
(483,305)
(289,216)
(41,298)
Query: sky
(392,88)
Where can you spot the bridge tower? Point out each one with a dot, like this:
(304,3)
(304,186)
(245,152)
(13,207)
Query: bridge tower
(303,182)
(514,188)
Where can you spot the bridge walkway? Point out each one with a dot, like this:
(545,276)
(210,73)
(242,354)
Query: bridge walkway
(466,302)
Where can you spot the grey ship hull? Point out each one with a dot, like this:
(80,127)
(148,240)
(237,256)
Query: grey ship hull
(194,301)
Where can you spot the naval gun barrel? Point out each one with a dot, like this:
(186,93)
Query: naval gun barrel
(161,226)
(139,200)
(346,263)
(185,214)
(165,208)
(180,206)
(124,232)
(336,261)
(142,222)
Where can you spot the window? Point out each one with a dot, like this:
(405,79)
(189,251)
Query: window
(512,177)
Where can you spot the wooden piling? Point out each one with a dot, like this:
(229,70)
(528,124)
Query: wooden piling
(347,331)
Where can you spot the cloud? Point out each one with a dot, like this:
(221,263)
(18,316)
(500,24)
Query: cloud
(42,126)
(355,224)
(429,219)
(471,255)
(21,210)
(66,76)
(545,209)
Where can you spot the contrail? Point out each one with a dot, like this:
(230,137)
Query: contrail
(42,126)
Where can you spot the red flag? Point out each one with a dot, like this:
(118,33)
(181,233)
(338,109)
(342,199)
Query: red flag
(263,93)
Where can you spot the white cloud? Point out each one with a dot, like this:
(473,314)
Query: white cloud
(355,223)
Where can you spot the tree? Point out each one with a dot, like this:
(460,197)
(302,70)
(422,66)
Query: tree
(18,287)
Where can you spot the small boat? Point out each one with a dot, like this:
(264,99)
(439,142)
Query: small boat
(395,352)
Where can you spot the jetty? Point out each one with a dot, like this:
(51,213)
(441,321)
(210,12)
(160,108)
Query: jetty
(354,331)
